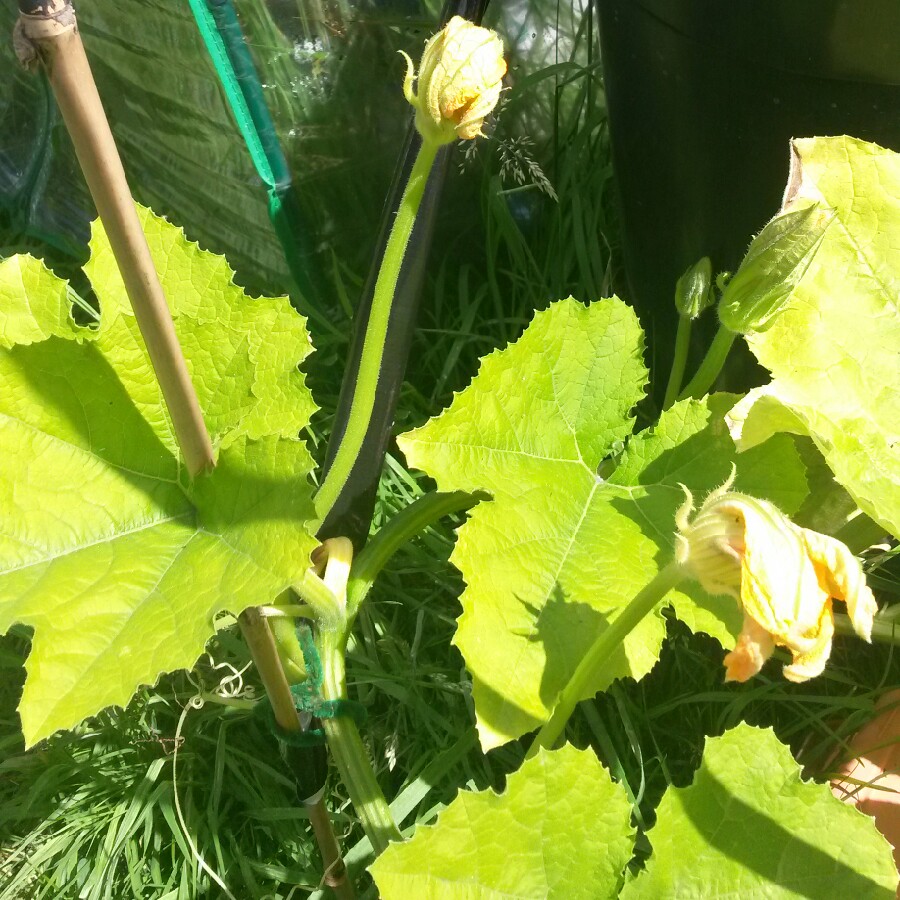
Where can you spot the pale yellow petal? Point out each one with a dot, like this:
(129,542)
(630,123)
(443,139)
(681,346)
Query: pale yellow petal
(811,662)
(779,588)
(787,578)
(841,576)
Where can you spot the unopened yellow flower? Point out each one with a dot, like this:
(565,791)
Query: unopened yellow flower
(459,81)
(785,578)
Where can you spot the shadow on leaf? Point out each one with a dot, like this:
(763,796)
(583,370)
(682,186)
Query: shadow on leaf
(762,845)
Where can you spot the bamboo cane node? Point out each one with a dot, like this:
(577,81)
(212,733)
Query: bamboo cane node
(48,19)
(336,874)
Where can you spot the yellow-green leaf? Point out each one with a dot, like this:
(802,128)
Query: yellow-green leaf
(107,550)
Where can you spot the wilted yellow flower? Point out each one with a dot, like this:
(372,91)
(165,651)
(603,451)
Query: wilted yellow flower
(459,81)
(785,578)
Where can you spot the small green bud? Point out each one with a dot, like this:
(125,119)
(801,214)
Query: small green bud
(774,265)
(692,290)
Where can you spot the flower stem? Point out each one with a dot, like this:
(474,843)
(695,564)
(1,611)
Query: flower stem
(376,329)
(885,629)
(598,655)
(349,752)
(320,599)
(676,376)
(711,366)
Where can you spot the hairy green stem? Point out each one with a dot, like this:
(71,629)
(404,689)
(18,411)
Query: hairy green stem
(676,375)
(404,526)
(349,752)
(598,655)
(317,596)
(711,366)
(376,329)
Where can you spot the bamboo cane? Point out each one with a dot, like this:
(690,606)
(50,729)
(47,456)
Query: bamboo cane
(261,642)
(47,33)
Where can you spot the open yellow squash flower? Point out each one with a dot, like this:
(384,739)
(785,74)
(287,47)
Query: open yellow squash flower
(459,81)
(785,578)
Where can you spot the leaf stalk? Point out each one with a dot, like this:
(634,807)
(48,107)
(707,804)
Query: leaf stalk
(593,662)
(350,753)
(676,375)
(711,366)
(409,522)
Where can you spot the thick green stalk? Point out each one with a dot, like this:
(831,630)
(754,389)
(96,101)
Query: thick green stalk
(601,650)
(409,522)
(373,347)
(349,752)
(676,376)
(711,366)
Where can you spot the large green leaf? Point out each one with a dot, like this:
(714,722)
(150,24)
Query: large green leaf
(560,830)
(575,527)
(749,827)
(115,558)
(834,344)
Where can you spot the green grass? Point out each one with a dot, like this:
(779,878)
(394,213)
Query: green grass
(92,814)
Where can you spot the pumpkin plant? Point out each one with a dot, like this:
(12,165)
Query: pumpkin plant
(579,533)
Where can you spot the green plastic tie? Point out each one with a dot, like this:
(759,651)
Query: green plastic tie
(307,696)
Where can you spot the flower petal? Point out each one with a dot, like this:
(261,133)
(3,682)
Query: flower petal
(809,663)
(841,576)
(753,648)
(785,577)
(779,587)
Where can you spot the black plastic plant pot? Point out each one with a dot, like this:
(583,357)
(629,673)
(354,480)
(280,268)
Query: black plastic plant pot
(703,99)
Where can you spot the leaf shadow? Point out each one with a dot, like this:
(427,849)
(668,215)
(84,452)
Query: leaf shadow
(247,486)
(79,387)
(89,408)
(495,709)
(567,629)
(762,845)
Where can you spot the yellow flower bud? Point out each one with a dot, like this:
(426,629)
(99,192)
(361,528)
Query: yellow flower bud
(459,81)
(785,578)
